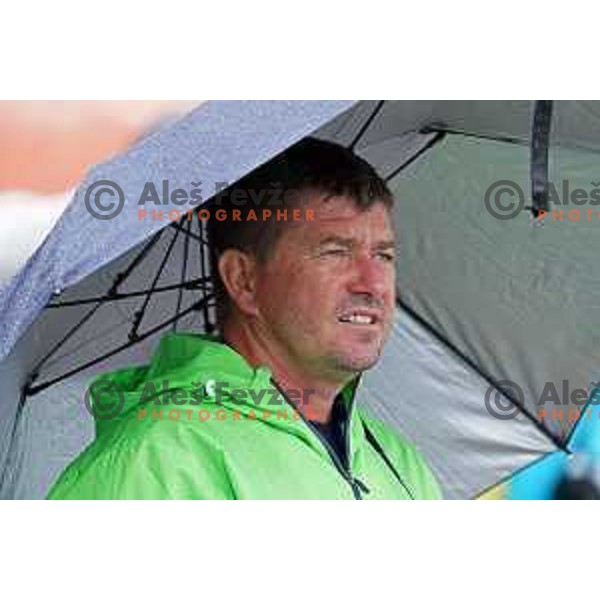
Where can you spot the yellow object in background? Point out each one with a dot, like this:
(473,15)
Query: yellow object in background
(498,492)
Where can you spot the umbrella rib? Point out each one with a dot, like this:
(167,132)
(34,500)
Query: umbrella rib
(208,327)
(187,232)
(492,138)
(63,341)
(366,124)
(139,314)
(72,350)
(507,478)
(36,389)
(191,284)
(438,137)
(186,248)
(119,279)
(345,122)
(13,436)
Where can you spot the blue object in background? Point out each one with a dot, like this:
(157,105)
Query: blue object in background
(575,471)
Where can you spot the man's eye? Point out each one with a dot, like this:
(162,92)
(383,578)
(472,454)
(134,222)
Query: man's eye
(386,256)
(335,252)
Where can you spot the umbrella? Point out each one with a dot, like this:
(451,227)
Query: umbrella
(491,308)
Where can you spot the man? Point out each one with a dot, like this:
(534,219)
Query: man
(267,409)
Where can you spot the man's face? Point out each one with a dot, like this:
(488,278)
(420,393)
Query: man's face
(327,293)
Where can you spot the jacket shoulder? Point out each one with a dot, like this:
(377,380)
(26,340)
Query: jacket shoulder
(154,461)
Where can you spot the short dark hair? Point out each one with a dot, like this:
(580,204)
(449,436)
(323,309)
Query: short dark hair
(310,165)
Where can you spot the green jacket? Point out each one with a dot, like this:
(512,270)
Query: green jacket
(193,436)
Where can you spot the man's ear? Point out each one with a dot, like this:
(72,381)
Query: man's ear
(238,274)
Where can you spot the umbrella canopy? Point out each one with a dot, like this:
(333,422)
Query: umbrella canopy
(490,310)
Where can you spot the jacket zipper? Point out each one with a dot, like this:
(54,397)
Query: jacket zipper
(356,485)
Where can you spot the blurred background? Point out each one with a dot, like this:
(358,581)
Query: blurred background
(45,149)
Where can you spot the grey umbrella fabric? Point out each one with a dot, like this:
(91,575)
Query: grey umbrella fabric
(480,300)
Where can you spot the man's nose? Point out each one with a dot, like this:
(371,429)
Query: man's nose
(372,276)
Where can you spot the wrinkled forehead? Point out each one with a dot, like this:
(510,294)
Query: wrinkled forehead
(340,214)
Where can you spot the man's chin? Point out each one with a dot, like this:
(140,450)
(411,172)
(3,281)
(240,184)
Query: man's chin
(356,363)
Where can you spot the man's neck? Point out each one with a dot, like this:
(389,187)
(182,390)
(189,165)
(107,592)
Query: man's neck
(315,395)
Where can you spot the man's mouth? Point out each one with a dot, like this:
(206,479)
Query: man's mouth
(360,317)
